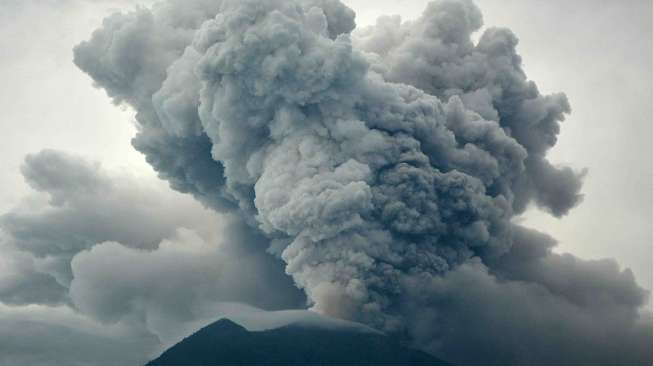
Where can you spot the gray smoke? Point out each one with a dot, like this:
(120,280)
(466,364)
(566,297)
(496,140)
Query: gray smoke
(100,268)
(384,167)
(85,206)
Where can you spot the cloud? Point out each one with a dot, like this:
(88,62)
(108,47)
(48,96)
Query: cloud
(436,54)
(384,167)
(22,281)
(182,282)
(41,335)
(382,170)
(106,269)
(87,206)
(548,308)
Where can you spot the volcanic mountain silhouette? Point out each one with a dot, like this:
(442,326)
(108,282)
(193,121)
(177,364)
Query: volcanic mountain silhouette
(226,343)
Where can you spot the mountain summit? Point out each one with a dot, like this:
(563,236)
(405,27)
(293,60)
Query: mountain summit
(226,343)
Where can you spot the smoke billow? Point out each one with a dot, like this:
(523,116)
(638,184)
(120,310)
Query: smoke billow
(100,268)
(383,166)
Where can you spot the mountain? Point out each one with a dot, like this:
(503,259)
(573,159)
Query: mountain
(225,343)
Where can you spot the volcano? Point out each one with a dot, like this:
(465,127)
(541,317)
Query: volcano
(226,343)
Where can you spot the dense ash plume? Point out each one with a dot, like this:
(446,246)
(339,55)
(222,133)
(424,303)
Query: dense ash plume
(384,167)
(436,54)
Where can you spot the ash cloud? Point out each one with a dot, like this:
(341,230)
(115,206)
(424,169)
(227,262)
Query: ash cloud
(436,54)
(57,336)
(102,268)
(384,167)
(82,205)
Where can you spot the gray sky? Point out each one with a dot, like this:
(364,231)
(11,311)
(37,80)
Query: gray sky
(599,58)
(46,101)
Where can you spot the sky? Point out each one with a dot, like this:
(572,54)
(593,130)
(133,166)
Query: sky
(595,52)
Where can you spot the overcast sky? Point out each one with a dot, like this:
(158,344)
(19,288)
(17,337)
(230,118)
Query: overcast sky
(597,52)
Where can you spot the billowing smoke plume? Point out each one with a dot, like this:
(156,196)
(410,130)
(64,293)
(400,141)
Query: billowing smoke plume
(100,268)
(384,167)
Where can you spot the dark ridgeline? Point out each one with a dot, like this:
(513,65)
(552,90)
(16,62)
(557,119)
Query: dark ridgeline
(226,343)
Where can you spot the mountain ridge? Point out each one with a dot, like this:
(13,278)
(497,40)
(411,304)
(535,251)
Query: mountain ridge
(227,343)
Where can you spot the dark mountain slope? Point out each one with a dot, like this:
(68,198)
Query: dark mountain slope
(225,343)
